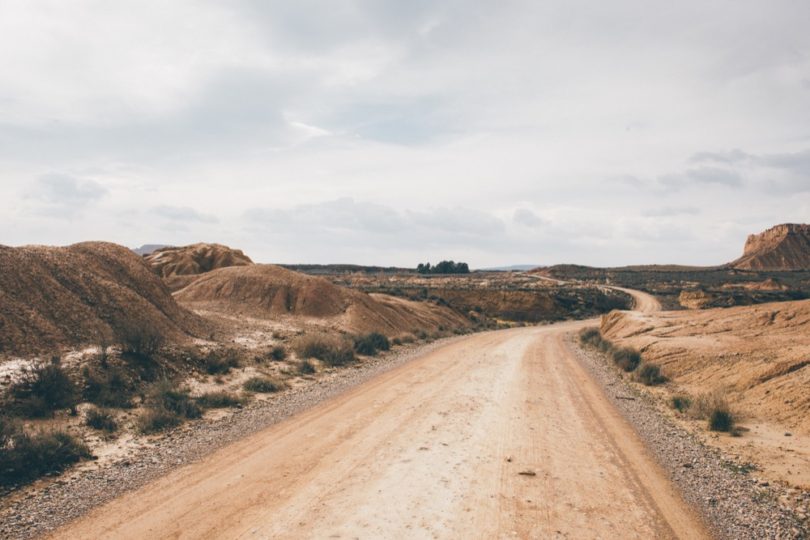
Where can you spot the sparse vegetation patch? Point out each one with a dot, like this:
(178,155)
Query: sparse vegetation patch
(108,387)
(101,419)
(43,389)
(331,350)
(627,358)
(220,400)
(264,385)
(27,456)
(370,344)
(220,363)
(650,375)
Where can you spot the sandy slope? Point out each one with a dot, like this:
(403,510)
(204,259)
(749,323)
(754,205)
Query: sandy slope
(433,448)
(758,356)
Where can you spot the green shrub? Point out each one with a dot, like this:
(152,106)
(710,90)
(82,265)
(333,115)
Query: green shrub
(25,457)
(369,344)
(219,400)
(278,353)
(43,389)
(721,420)
(110,387)
(166,396)
(650,374)
(217,364)
(331,350)
(154,420)
(264,385)
(100,419)
(680,403)
(626,358)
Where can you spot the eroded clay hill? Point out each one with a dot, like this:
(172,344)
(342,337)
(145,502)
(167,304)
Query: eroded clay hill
(84,294)
(269,291)
(783,247)
(178,266)
(759,354)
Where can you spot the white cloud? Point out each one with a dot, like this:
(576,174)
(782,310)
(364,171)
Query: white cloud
(495,129)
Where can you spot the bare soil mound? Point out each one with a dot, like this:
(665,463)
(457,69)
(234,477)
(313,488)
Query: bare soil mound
(759,354)
(53,297)
(178,265)
(784,247)
(269,291)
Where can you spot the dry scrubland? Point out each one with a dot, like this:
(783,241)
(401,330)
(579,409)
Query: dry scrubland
(101,349)
(104,353)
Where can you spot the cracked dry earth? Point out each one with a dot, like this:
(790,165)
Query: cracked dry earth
(497,435)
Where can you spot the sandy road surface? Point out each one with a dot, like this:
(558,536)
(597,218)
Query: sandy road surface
(644,303)
(434,448)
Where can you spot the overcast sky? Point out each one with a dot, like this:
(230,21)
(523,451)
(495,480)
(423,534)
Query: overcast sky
(393,132)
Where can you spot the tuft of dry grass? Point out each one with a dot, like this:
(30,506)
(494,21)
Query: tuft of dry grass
(331,350)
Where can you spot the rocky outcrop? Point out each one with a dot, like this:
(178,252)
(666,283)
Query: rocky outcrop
(783,247)
(179,266)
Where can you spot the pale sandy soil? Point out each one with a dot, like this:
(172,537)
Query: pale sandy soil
(433,448)
(757,356)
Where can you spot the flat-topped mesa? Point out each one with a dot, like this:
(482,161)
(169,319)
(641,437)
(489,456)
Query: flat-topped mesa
(783,247)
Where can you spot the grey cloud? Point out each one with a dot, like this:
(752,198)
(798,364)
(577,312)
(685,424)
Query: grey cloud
(796,162)
(63,196)
(183,214)
(671,211)
(714,175)
(343,221)
(729,158)
(527,218)
(701,175)
(63,189)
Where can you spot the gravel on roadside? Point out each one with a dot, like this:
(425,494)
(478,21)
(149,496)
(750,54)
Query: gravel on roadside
(34,510)
(733,504)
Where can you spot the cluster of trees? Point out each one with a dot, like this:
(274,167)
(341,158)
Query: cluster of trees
(444,267)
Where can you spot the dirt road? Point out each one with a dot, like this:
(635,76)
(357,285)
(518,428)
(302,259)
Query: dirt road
(497,435)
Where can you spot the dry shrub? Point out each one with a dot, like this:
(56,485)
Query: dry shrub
(626,358)
(25,456)
(108,387)
(264,385)
(101,419)
(370,344)
(703,404)
(650,375)
(220,400)
(331,350)
(42,390)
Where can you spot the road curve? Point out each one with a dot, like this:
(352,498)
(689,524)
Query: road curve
(497,435)
(643,302)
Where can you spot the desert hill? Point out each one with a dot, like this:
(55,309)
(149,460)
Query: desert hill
(269,291)
(178,266)
(783,247)
(86,293)
(148,249)
(758,354)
